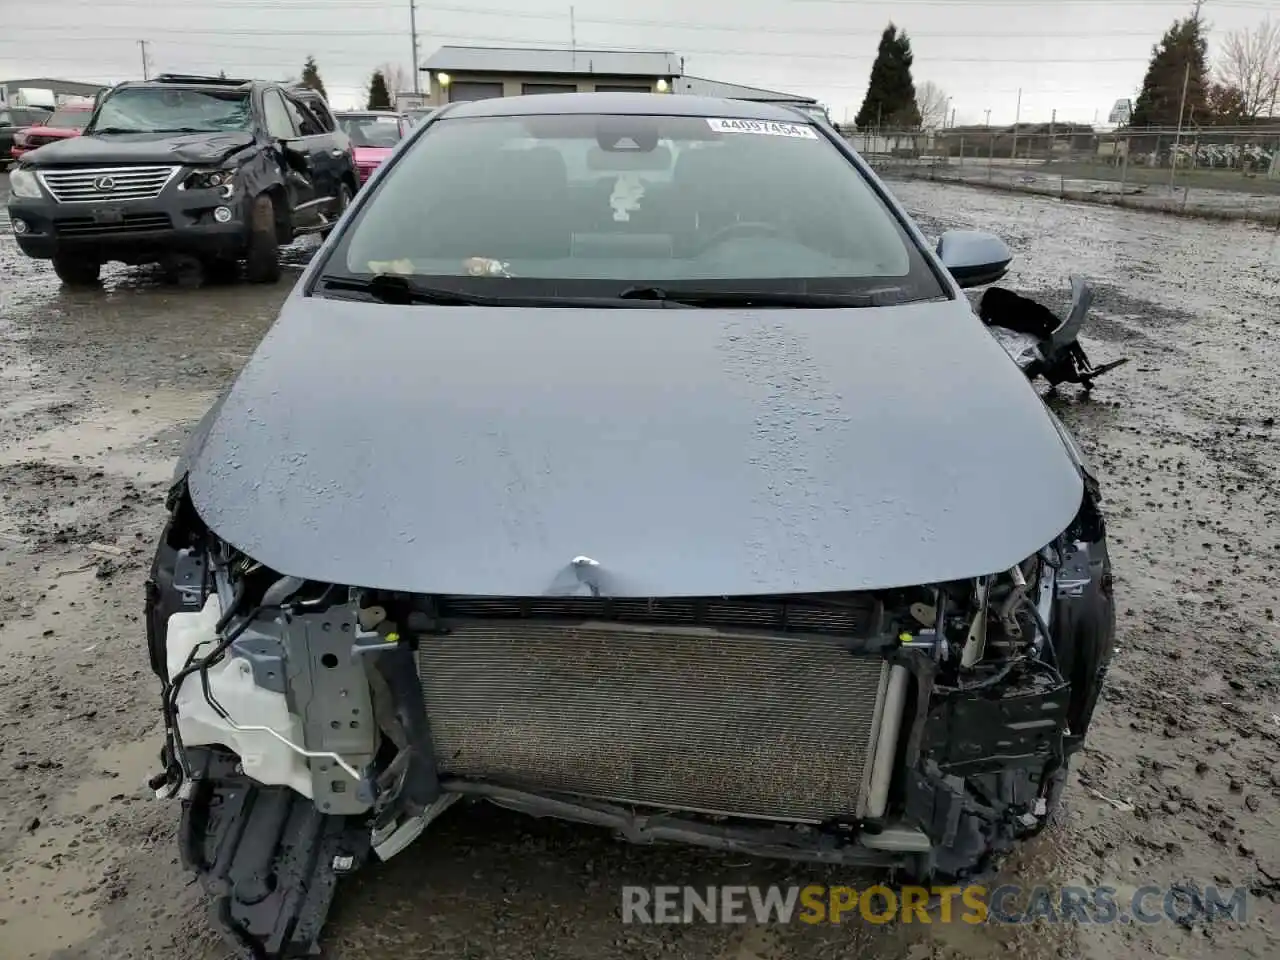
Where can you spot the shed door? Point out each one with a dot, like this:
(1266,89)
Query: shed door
(534,88)
(464,90)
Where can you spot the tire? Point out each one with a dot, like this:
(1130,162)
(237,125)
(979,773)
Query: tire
(221,270)
(344,201)
(75,272)
(262,259)
(185,272)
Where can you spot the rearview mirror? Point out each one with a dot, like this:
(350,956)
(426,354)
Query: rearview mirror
(974,258)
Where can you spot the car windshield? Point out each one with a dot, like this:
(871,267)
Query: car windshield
(67,119)
(371,131)
(596,203)
(161,109)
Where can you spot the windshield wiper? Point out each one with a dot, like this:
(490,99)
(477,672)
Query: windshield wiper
(97,130)
(392,288)
(760,298)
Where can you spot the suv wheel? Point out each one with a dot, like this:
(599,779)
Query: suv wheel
(262,260)
(221,269)
(76,272)
(344,201)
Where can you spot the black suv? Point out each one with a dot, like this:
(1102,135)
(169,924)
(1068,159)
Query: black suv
(195,173)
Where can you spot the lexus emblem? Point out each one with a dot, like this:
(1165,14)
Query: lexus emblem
(104,184)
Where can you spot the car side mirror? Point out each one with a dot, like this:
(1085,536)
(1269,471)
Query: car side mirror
(974,258)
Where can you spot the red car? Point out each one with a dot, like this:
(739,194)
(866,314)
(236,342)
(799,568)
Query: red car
(374,134)
(67,121)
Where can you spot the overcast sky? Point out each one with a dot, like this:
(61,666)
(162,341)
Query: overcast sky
(1073,56)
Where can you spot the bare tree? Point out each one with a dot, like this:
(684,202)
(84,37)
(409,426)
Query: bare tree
(397,79)
(1251,64)
(931,101)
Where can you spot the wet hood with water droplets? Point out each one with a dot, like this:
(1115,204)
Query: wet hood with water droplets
(688,452)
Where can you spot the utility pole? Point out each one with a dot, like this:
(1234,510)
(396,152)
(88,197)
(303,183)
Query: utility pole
(953,117)
(1182,106)
(1013,154)
(573,37)
(413,35)
(1053,122)
(142,45)
(988,120)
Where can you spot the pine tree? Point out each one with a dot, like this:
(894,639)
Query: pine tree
(891,94)
(1160,100)
(379,98)
(311,77)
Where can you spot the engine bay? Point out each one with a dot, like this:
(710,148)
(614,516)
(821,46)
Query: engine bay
(923,729)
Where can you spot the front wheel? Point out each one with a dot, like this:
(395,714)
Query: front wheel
(262,260)
(75,272)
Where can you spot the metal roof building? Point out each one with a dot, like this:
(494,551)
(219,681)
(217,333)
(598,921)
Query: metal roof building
(700,87)
(61,89)
(476,73)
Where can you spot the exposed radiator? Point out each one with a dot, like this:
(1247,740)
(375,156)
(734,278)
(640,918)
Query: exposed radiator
(692,719)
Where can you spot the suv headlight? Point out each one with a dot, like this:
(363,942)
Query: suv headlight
(207,179)
(23,183)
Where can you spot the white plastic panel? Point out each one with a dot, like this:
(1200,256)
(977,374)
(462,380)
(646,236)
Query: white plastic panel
(263,757)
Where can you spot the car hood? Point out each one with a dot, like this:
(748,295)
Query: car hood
(194,148)
(372,155)
(483,450)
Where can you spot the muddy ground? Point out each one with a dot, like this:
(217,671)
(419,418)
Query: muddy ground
(1180,785)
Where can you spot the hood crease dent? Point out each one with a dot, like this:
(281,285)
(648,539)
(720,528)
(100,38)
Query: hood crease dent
(190,148)
(477,450)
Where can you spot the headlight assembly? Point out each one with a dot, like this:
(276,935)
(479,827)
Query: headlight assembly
(208,179)
(23,183)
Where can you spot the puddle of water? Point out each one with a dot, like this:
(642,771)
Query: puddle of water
(131,764)
(107,437)
(46,902)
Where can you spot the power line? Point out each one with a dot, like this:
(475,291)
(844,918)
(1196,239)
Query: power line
(1014,4)
(757,54)
(366,5)
(664,24)
(1030,5)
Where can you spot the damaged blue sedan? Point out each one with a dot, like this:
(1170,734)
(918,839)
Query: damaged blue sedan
(632,460)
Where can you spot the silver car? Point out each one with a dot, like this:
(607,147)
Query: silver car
(695,503)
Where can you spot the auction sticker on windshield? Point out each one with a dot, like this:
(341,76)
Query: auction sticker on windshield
(768,128)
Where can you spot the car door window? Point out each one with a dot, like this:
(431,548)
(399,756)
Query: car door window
(317,107)
(279,122)
(5,119)
(303,119)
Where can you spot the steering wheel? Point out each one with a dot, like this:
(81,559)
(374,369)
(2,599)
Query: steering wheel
(748,228)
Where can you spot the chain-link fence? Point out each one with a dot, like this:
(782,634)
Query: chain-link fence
(1229,172)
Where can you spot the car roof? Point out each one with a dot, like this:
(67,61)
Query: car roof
(365,113)
(638,104)
(193,84)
